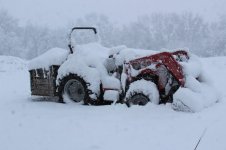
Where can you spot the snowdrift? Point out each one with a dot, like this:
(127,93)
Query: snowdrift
(10,63)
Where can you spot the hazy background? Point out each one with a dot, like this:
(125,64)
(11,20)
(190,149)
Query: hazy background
(59,12)
(30,27)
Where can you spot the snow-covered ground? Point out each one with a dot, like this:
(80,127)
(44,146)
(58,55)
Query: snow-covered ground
(40,124)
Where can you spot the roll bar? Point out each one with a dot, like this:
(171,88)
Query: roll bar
(79,28)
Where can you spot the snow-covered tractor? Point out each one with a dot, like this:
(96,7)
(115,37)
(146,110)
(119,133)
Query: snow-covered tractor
(93,74)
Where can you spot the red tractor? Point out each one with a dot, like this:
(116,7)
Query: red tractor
(154,77)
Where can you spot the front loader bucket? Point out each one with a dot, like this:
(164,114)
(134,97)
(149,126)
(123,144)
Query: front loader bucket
(198,91)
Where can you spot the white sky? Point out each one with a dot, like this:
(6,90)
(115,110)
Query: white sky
(57,13)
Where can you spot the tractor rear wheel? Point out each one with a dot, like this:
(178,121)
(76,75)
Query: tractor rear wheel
(74,88)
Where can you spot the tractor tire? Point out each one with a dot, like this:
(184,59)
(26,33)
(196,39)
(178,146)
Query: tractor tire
(137,99)
(141,92)
(74,88)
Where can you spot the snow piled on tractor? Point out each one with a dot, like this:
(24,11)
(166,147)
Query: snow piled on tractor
(54,56)
(89,62)
(92,61)
(122,53)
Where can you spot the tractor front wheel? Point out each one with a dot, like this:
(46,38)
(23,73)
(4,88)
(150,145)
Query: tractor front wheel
(140,92)
(137,99)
